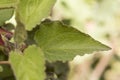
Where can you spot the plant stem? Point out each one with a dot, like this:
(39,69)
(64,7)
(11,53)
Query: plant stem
(4,62)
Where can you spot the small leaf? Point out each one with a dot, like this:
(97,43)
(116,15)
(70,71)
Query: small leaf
(5,14)
(20,33)
(30,65)
(1,68)
(31,12)
(9,26)
(62,42)
(8,3)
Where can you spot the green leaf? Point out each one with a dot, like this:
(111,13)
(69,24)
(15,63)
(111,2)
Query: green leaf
(5,14)
(8,3)
(9,26)
(31,12)
(62,42)
(20,33)
(28,66)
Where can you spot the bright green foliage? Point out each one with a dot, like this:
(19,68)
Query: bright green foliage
(28,66)
(5,14)
(62,42)
(8,3)
(31,12)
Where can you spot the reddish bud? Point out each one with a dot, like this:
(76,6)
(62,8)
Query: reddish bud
(6,33)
